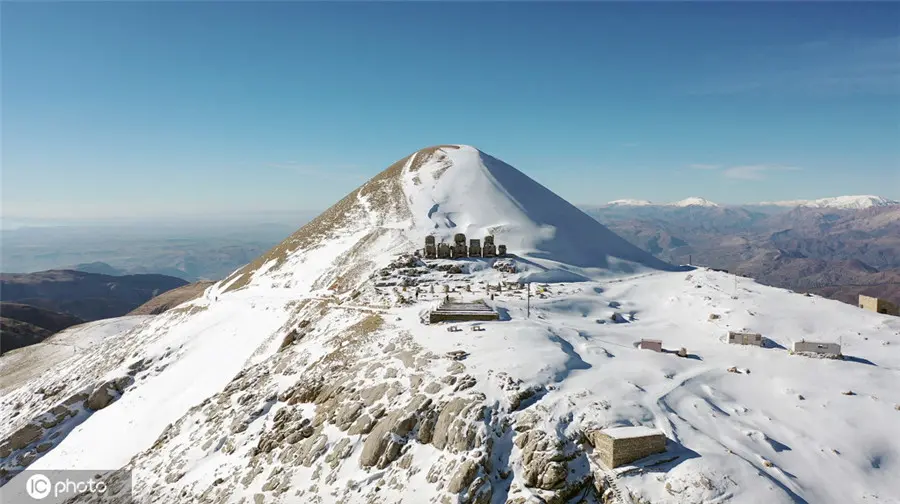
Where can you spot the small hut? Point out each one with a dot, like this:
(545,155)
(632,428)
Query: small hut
(651,344)
(745,338)
(817,347)
(622,445)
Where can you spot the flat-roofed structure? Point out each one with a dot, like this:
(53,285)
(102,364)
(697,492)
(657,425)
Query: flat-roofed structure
(651,344)
(745,338)
(878,305)
(463,312)
(620,445)
(817,347)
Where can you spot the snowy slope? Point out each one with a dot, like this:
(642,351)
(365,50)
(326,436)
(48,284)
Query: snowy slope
(21,365)
(309,376)
(840,202)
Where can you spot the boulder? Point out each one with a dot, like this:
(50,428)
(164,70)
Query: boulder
(463,477)
(453,429)
(102,396)
(24,437)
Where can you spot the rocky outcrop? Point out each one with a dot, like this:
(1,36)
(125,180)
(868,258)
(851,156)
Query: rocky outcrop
(454,429)
(21,438)
(288,427)
(387,438)
(107,392)
(543,460)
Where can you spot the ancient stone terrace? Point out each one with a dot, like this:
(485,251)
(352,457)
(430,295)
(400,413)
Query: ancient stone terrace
(463,312)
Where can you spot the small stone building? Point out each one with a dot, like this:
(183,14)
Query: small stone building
(622,445)
(878,305)
(744,338)
(651,344)
(817,347)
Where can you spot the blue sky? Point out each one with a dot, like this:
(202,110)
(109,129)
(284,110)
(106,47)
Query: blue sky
(168,108)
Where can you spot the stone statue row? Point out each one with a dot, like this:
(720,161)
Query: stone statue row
(459,249)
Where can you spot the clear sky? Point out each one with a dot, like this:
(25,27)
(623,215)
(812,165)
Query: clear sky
(167,108)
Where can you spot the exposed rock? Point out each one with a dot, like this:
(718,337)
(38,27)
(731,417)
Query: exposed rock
(464,476)
(340,451)
(373,394)
(362,425)
(554,474)
(24,437)
(456,368)
(346,414)
(312,448)
(102,396)
(453,430)
(426,426)
(543,460)
(466,382)
(120,384)
(384,443)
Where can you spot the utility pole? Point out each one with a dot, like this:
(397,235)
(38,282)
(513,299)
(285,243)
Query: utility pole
(528,309)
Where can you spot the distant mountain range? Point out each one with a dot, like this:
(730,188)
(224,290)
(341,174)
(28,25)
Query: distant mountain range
(837,247)
(88,296)
(841,202)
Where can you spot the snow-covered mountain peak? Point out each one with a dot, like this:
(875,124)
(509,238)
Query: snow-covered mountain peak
(450,189)
(858,202)
(694,201)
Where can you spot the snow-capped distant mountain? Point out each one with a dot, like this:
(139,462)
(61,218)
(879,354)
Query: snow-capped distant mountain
(687,202)
(694,201)
(842,202)
(629,202)
(313,374)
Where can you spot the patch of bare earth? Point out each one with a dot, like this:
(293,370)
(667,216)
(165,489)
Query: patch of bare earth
(170,299)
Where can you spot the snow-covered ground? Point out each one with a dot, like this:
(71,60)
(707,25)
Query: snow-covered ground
(21,365)
(312,376)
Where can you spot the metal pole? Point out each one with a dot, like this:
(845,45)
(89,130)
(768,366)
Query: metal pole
(528,286)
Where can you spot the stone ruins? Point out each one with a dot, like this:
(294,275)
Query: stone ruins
(459,249)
